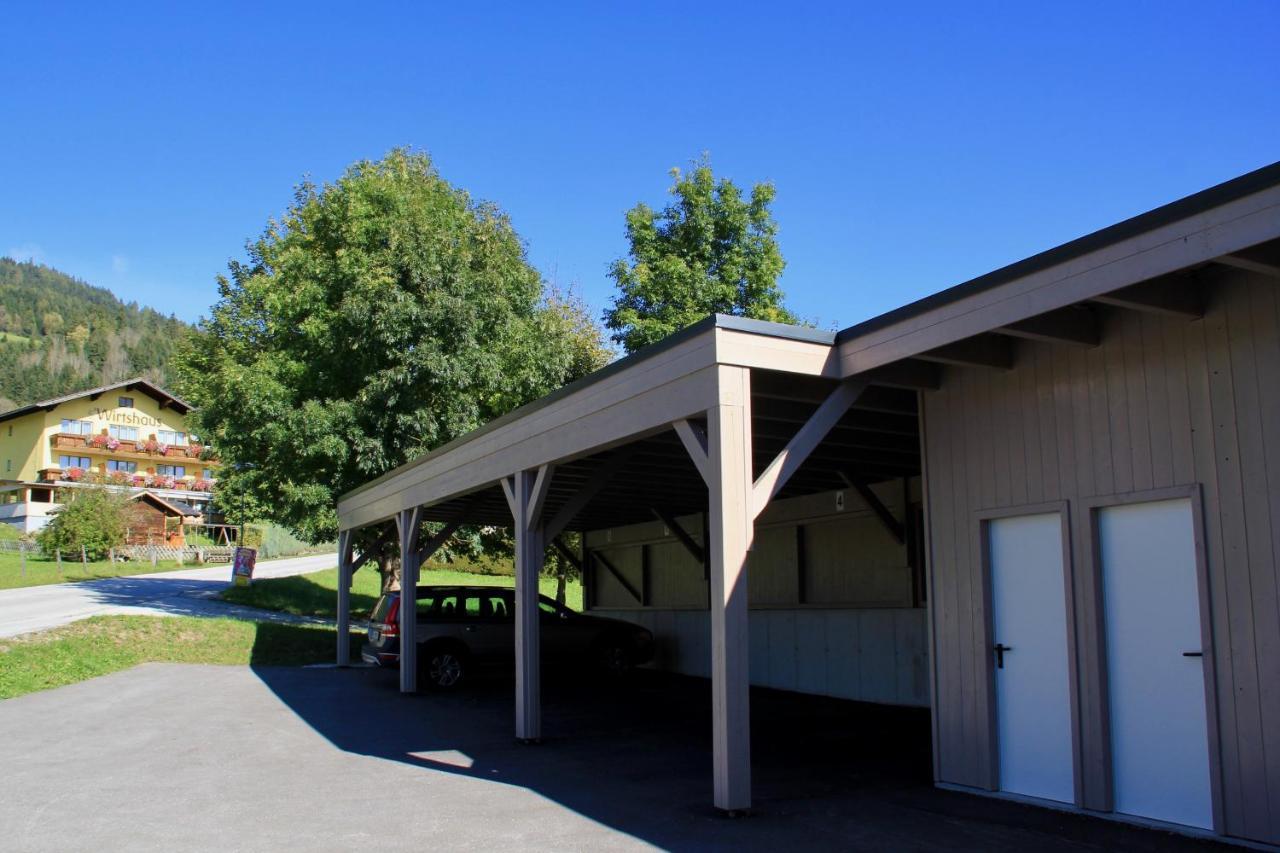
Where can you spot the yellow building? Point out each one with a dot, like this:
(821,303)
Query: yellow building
(130,435)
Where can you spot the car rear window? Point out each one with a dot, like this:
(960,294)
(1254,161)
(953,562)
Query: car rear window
(383,607)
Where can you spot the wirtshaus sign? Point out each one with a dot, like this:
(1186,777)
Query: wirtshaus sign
(125,416)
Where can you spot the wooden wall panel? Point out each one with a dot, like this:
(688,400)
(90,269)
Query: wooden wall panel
(676,579)
(609,592)
(772,574)
(854,561)
(1161,402)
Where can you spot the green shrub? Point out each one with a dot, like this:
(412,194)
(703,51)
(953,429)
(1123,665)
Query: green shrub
(93,519)
(273,541)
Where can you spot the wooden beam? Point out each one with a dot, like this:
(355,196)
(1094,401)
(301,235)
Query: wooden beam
(909,373)
(1173,295)
(509,489)
(681,535)
(994,351)
(1244,262)
(567,552)
(1074,325)
(891,524)
(367,553)
(538,494)
(797,450)
(694,439)
(618,576)
(600,478)
(435,542)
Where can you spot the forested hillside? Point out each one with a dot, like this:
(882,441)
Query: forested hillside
(61,335)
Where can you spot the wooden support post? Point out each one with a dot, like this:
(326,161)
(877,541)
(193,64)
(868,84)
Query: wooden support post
(802,566)
(409,525)
(526,494)
(733,511)
(343,623)
(646,586)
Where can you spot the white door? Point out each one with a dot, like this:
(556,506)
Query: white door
(1033,693)
(1159,732)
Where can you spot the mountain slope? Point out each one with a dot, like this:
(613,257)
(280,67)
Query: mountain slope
(59,334)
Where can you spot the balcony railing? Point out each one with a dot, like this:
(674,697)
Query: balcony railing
(125,480)
(106,444)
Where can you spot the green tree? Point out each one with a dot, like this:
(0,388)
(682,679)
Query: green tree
(710,251)
(94,519)
(384,315)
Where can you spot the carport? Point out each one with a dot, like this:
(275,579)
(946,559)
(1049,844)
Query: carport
(1098,415)
(720,419)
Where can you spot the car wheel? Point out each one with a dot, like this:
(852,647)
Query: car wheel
(614,659)
(443,667)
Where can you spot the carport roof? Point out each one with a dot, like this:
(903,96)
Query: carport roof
(748,325)
(1215,196)
(627,401)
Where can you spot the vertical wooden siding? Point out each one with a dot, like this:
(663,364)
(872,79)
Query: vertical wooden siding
(1161,402)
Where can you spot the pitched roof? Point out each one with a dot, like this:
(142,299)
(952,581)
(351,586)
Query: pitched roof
(176,507)
(155,392)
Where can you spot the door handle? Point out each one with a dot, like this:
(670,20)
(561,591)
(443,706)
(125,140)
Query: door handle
(1000,649)
(1193,654)
(470,628)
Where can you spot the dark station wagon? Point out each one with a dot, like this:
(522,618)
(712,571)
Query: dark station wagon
(461,628)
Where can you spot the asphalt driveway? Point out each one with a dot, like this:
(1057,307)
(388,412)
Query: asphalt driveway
(172,757)
(183,592)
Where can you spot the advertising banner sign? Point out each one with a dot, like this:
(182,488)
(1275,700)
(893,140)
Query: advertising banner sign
(242,568)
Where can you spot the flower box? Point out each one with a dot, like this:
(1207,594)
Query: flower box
(67,439)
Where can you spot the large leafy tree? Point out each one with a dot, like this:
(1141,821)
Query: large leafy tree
(712,250)
(383,315)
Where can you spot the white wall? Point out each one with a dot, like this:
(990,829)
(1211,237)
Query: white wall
(871,655)
(844,624)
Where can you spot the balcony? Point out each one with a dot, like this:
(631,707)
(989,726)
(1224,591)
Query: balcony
(129,449)
(89,476)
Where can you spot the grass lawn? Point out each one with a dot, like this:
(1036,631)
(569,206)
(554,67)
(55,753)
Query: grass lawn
(315,594)
(41,570)
(104,644)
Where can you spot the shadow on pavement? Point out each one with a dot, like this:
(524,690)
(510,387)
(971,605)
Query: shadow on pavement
(636,756)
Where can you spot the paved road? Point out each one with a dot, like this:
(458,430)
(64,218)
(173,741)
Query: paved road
(186,592)
(174,758)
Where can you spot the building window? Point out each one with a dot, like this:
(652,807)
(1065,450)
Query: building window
(121,465)
(123,433)
(171,470)
(65,462)
(77,427)
(125,402)
(168,436)
(8,465)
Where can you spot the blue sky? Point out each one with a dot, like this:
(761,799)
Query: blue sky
(913,145)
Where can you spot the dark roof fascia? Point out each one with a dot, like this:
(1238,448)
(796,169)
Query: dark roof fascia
(715,321)
(1224,193)
(152,390)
